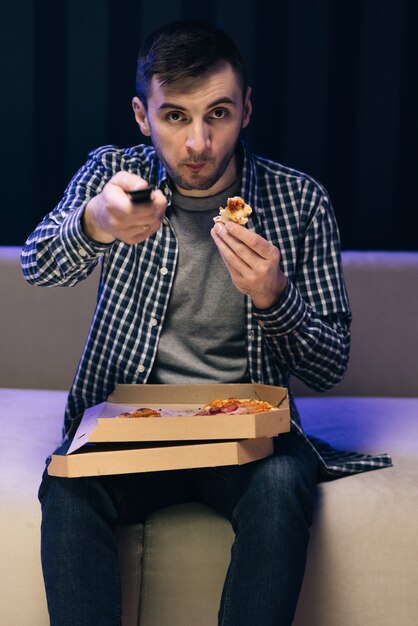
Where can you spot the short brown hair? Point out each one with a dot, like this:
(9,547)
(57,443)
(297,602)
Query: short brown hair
(186,49)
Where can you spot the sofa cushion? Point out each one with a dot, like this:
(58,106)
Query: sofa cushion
(383,360)
(383,356)
(45,328)
(362,566)
(30,429)
(365,424)
(186,555)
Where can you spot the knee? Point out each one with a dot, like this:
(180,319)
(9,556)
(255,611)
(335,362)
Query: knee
(72,500)
(281,487)
(285,486)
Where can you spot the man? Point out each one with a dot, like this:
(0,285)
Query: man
(182,299)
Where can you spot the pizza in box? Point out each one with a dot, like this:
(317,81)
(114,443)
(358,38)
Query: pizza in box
(231,406)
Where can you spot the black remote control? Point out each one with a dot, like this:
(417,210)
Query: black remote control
(141,195)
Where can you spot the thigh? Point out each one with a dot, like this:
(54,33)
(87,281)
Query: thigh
(132,497)
(290,471)
(141,494)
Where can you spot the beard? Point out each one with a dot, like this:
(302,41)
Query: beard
(198,181)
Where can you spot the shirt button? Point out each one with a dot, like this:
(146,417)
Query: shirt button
(251,335)
(82,252)
(153,322)
(140,369)
(163,271)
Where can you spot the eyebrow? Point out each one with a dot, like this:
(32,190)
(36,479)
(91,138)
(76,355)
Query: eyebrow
(173,105)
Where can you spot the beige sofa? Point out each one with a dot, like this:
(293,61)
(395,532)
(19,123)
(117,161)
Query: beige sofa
(363,558)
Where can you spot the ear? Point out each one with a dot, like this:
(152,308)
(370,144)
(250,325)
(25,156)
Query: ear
(141,116)
(248,107)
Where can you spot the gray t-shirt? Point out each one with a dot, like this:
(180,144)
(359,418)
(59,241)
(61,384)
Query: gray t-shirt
(203,337)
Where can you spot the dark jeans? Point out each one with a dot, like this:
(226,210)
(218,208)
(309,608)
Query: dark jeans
(269,503)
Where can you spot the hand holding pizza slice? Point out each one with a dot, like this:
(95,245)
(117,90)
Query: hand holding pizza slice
(252,261)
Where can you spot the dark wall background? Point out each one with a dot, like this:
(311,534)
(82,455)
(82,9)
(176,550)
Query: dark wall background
(335,95)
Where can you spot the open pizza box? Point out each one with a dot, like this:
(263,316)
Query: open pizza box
(107,444)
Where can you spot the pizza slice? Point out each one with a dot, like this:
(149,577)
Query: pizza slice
(235,406)
(142,412)
(235,211)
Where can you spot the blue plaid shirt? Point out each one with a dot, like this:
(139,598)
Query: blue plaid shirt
(305,334)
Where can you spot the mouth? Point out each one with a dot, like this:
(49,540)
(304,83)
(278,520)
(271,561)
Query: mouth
(195,167)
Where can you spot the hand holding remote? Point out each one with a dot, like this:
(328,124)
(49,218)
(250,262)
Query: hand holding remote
(126,209)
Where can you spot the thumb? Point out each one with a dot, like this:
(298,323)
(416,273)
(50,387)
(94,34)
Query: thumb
(128,181)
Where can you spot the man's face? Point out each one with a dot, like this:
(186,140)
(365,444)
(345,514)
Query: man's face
(194,126)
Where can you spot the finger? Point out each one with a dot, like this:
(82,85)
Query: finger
(135,222)
(128,181)
(231,231)
(133,213)
(239,248)
(154,207)
(159,199)
(139,234)
(234,263)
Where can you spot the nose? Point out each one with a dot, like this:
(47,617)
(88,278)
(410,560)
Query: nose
(198,137)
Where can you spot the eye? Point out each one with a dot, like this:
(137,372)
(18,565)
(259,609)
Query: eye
(219,114)
(175,116)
